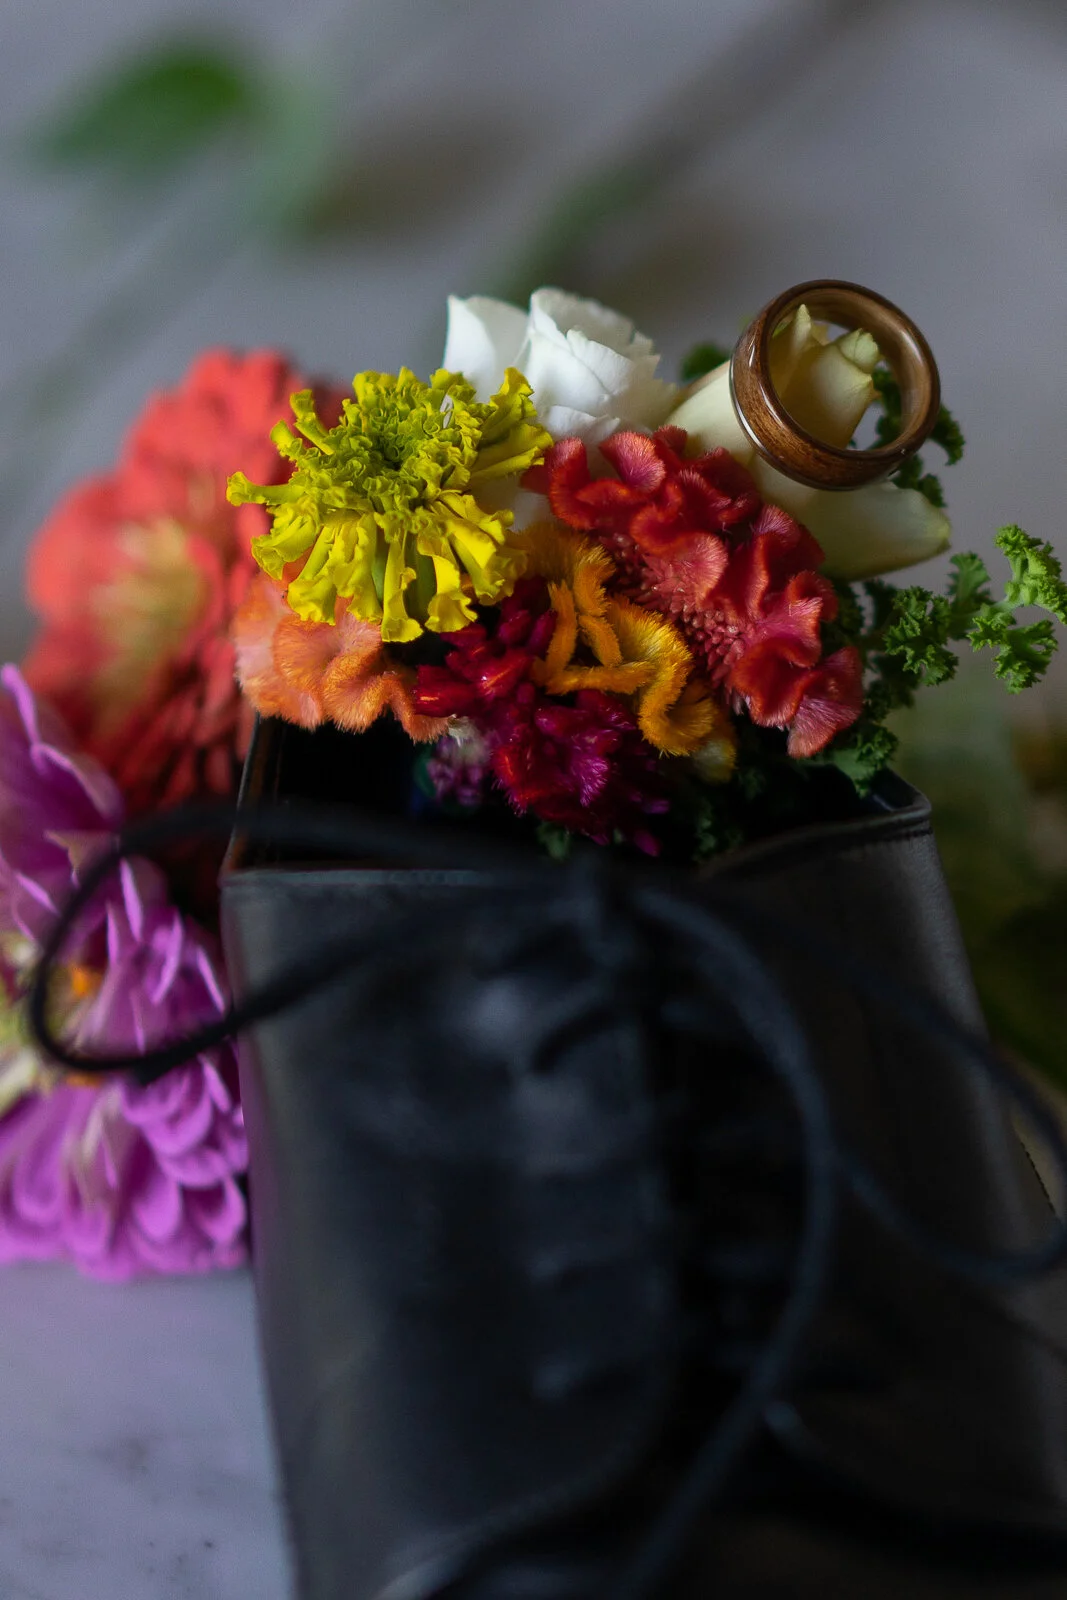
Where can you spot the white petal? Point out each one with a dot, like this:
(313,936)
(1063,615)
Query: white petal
(559,377)
(863,532)
(828,394)
(484,337)
(708,416)
(566,422)
(589,317)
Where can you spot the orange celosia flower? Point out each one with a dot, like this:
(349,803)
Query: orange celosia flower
(315,672)
(137,574)
(636,652)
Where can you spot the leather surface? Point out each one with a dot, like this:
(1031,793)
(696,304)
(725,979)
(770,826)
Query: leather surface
(959,1414)
(469,1290)
(467,1311)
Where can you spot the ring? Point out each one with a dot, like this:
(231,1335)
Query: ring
(783,442)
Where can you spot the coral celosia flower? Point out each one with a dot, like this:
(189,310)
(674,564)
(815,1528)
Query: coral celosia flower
(580,763)
(120,1179)
(136,576)
(315,672)
(692,540)
(383,509)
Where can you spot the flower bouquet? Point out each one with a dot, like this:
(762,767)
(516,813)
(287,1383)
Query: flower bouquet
(546,607)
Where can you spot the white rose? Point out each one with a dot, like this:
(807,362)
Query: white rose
(591,372)
(826,386)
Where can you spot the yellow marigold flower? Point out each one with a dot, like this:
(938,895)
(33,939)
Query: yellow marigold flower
(634,652)
(383,508)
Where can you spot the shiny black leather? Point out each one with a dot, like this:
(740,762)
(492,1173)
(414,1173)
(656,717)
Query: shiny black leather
(470,1295)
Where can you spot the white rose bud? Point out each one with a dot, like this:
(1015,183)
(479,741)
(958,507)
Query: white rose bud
(591,372)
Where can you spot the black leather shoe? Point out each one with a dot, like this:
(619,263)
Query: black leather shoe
(519,1248)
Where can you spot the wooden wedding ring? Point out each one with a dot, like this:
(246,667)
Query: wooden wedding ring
(787,446)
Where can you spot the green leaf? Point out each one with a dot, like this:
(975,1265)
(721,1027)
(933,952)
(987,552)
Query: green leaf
(968,591)
(918,635)
(150,115)
(865,751)
(946,433)
(1023,650)
(556,841)
(1036,574)
(703,358)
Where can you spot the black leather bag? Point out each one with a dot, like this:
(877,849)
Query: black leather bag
(517,1245)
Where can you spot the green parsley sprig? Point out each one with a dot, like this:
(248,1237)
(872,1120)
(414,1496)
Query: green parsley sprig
(909,639)
(946,433)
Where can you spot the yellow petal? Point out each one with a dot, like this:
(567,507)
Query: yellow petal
(397,626)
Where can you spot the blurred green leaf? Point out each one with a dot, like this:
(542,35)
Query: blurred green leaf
(150,115)
(702,359)
(985,780)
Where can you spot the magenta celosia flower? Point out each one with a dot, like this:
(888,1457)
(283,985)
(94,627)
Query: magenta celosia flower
(579,760)
(117,1178)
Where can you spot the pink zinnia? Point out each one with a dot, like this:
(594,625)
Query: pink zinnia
(117,1178)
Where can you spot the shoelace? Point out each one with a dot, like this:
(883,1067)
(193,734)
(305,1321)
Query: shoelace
(623,912)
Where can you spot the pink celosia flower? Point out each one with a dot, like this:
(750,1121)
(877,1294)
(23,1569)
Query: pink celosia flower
(692,540)
(137,575)
(117,1178)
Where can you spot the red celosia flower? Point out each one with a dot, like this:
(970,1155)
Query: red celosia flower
(577,761)
(692,540)
(137,575)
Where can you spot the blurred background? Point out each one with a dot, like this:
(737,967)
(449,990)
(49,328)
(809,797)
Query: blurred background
(181,173)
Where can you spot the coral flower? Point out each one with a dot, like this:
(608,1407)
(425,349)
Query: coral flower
(315,672)
(137,574)
(692,540)
(117,1178)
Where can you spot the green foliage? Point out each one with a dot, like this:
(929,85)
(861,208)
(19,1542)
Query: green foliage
(1022,650)
(703,358)
(1036,574)
(917,636)
(1000,814)
(946,433)
(863,752)
(913,630)
(555,840)
(149,116)
(910,637)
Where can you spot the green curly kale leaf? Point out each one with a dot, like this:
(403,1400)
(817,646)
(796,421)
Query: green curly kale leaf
(1036,574)
(946,433)
(910,636)
(912,633)
(1022,650)
(864,751)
